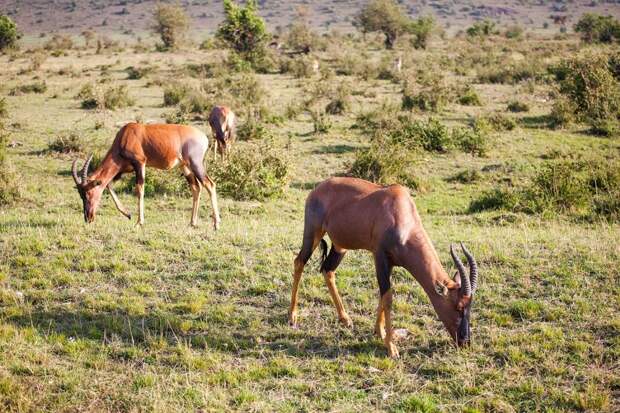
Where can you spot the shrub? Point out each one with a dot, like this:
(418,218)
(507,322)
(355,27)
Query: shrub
(467,176)
(470,140)
(59,43)
(299,67)
(252,129)
(341,100)
(482,28)
(597,28)
(300,36)
(590,86)
(258,172)
(511,74)
(421,29)
(385,16)
(8,33)
(469,97)
(170,23)
(174,92)
(9,188)
(431,94)
(516,106)
(96,97)
(36,87)
(3,108)
(386,163)
(158,182)
(495,122)
(134,73)
(243,30)
(320,121)
(69,143)
(562,113)
(514,32)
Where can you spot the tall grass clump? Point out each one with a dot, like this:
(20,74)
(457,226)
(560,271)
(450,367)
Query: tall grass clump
(587,188)
(9,188)
(93,96)
(590,86)
(255,172)
(66,143)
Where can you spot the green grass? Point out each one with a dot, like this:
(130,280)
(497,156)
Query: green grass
(107,317)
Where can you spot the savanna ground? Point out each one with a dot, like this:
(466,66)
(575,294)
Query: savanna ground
(109,317)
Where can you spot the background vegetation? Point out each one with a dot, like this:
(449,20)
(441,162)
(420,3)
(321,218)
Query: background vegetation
(498,134)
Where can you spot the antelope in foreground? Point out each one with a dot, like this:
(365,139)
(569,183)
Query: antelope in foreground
(137,146)
(222,122)
(358,214)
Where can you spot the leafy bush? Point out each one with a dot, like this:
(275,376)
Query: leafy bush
(421,29)
(300,37)
(9,188)
(587,188)
(255,172)
(516,106)
(511,74)
(66,144)
(590,86)
(597,28)
(470,140)
(299,67)
(430,94)
(341,100)
(8,33)
(482,28)
(496,122)
(514,32)
(466,176)
(243,30)
(252,129)
(386,163)
(156,183)
(320,121)
(562,113)
(36,87)
(174,92)
(97,97)
(135,73)
(170,23)
(385,16)
(469,97)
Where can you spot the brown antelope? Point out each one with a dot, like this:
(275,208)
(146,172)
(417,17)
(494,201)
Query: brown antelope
(137,146)
(357,214)
(222,122)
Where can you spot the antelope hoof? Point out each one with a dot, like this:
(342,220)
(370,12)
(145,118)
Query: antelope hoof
(346,321)
(392,351)
(193,224)
(292,320)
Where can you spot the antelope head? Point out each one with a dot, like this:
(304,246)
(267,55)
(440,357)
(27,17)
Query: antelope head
(90,190)
(459,299)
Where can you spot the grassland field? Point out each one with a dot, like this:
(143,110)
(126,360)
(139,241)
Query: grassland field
(110,317)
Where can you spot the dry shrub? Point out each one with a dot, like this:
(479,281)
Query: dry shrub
(36,87)
(68,143)
(426,92)
(9,188)
(59,43)
(94,96)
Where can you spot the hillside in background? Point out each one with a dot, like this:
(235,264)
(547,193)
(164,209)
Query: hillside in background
(133,16)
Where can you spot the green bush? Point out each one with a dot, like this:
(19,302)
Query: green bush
(421,30)
(9,188)
(174,93)
(592,89)
(469,97)
(300,67)
(495,122)
(562,113)
(94,96)
(512,73)
(482,28)
(583,188)
(158,182)
(69,143)
(253,129)
(135,73)
(170,23)
(467,176)
(514,32)
(431,94)
(8,33)
(321,122)
(470,140)
(596,28)
(255,172)
(386,163)
(516,106)
(243,30)
(3,108)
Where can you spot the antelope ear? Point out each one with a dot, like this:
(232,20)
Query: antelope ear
(441,289)
(457,279)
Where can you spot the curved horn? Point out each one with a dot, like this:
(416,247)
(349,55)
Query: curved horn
(85,168)
(74,172)
(465,284)
(473,268)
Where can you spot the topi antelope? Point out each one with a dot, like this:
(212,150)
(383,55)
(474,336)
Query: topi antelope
(357,214)
(222,121)
(137,146)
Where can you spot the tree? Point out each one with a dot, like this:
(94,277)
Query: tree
(171,23)
(8,33)
(384,16)
(597,28)
(421,29)
(243,30)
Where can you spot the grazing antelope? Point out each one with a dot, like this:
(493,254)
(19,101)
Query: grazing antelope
(222,121)
(137,146)
(358,214)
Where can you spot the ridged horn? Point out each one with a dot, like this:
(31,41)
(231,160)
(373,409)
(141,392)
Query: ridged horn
(473,268)
(85,168)
(465,284)
(74,172)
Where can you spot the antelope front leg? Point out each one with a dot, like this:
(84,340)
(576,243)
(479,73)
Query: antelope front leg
(389,331)
(140,192)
